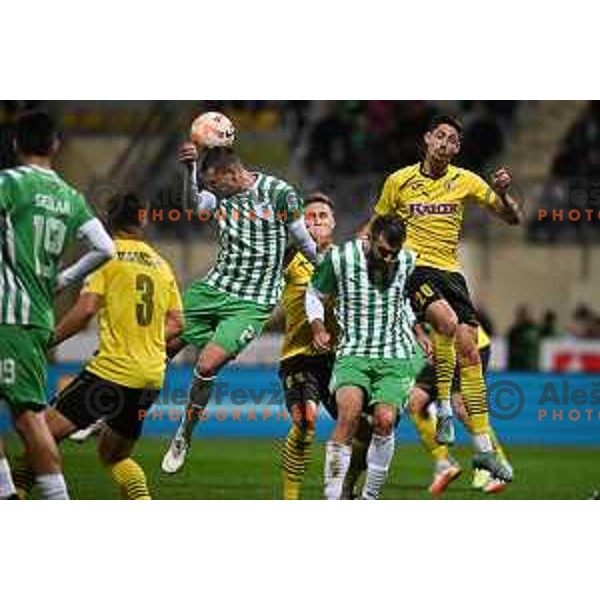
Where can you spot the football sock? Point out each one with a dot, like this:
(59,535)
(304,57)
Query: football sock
(130,478)
(7,487)
(425,425)
(337,461)
(296,457)
(445,362)
(199,394)
(498,446)
(52,486)
(472,386)
(379,458)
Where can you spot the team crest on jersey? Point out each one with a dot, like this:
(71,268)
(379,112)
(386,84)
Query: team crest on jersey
(418,209)
(450,185)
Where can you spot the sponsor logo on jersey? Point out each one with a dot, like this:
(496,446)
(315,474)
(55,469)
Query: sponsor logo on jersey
(418,209)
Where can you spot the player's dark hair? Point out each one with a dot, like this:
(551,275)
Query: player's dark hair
(218,158)
(123,212)
(35,133)
(319,197)
(391,228)
(446,120)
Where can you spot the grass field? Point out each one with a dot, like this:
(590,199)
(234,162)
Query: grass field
(249,469)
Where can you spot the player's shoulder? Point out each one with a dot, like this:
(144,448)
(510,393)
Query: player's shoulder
(403,175)
(462,175)
(14,174)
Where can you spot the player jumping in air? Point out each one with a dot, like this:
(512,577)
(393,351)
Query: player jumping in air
(138,305)
(377,355)
(228,308)
(431,197)
(304,372)
(40,214)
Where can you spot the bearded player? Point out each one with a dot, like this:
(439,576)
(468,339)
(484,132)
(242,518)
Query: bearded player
(431,197)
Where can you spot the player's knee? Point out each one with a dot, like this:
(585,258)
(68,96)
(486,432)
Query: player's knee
(383,423)
(447,326)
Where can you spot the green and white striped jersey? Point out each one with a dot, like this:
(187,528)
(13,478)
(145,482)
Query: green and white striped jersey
(253,238)
(39,215)
(373,315)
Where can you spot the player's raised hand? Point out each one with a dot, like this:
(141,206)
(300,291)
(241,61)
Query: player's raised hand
(501,180)
(188,154)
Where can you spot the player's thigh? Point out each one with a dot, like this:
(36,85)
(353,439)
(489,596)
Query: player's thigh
(393,382)
(243,323)
(202,306)
(350,373)
(86,399)
(305,381)
(23,368)
(128,420)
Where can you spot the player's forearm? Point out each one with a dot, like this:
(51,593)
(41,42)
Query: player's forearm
(509,209)
(302,239)
(73,322)
(313,305)
(198,199)
(102,249)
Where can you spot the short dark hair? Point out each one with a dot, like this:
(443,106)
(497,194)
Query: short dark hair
(123,211)
(218,158)
(391,228)
(319,197)
(35,133)
(446,120)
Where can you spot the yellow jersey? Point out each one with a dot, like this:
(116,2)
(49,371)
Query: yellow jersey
(298,333)
(433,210)
(138,288)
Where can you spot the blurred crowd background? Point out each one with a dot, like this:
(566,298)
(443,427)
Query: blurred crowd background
(531,284)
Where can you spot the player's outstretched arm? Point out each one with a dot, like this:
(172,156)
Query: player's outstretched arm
(77,318)
(505,206)
(196,199)
(302,239)
(101,249)
(315,313)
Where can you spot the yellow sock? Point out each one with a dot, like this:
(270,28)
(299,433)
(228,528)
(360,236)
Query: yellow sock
(130,478)
(472,387)
(445,362)
(296,456)
(425,425)
(497,445)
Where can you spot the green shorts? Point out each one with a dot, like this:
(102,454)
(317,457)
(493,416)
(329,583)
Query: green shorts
(383,380)
(23,367)
(215,316)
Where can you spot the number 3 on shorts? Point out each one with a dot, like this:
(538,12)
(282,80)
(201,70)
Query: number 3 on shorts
(7,371)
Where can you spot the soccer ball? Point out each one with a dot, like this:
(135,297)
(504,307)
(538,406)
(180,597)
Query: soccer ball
(212,130)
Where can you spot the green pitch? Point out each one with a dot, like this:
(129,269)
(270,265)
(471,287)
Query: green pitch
(249,469)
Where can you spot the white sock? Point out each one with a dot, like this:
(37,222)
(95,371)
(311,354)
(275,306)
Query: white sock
(379,458)
(483,442)
(7,487)
(337,461)
(445,408)
(53,486)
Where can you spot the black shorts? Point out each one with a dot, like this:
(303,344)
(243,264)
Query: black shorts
(427,285)
(426,378)
(307,378)
(89,398)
